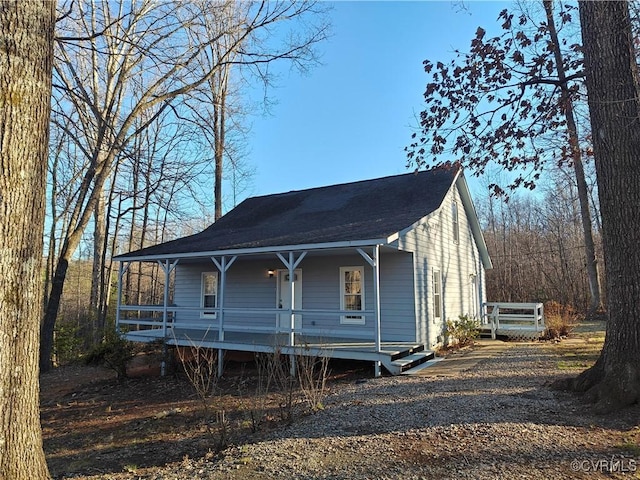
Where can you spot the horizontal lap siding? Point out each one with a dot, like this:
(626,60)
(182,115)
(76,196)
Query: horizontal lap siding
(433,245)
(321,290)
(248,286)
(187,290)
(397,297)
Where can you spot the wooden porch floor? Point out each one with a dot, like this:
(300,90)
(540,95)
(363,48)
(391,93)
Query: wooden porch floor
(396,357)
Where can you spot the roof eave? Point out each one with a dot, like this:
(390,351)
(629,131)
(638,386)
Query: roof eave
(465,194)
(259,250)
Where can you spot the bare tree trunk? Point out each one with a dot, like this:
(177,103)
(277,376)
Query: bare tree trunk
(145,222)
(99,240)
(218,152)
(25,82)
(69,245)
(51,251)
(576,158)
(614,107)
(114,247)
(106,270)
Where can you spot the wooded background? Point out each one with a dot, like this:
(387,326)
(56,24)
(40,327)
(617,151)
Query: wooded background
(149,122)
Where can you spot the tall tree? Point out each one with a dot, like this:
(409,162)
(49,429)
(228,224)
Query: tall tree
(504,102)
(214,119)
(25,83)
(614,105)
(118,61)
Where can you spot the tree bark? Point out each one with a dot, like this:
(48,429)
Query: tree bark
(612,87)
(25,86)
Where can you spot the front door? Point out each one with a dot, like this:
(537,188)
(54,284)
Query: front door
(283,300)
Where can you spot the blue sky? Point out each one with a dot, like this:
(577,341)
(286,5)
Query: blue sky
(350,118)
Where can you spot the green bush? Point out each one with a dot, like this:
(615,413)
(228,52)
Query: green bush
(465,330)
(114,352)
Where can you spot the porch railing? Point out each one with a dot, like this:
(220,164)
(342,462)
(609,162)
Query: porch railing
(506,316)
(151,322)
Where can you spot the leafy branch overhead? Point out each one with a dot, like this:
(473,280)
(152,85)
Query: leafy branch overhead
(503,103)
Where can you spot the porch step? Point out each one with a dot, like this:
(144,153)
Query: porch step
(408,362)
(485,331)
(407,352)
(422,366)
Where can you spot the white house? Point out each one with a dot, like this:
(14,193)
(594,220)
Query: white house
(374,268)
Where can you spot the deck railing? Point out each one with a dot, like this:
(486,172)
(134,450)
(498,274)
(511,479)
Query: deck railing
(504,316)
(150,322)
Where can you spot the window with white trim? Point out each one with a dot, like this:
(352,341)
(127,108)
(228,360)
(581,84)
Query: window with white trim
(437,295)
(456,225)
(352,294)
(209,296)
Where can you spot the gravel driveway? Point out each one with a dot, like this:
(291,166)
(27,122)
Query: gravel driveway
(497,419)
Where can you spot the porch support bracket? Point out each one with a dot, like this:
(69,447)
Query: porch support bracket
(374,261)
(291,263)
(223,264)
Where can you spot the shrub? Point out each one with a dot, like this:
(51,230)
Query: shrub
(559,319)
(312,379)
(464,330)
(67,343)
(113,352)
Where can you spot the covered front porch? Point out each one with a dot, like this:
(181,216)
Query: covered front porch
(351,331)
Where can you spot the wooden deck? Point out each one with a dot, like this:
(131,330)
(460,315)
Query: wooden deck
(395,357)
(517,321)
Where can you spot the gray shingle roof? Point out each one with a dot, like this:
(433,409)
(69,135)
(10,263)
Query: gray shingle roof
(369,209)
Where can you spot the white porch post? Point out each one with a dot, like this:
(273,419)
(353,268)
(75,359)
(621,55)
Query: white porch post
(165,299)
(376,288)
(122,269)
(223,265)
(167,267)
(375,264)
(292,263)
(292,293)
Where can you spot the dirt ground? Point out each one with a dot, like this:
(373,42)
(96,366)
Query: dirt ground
(94,424)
